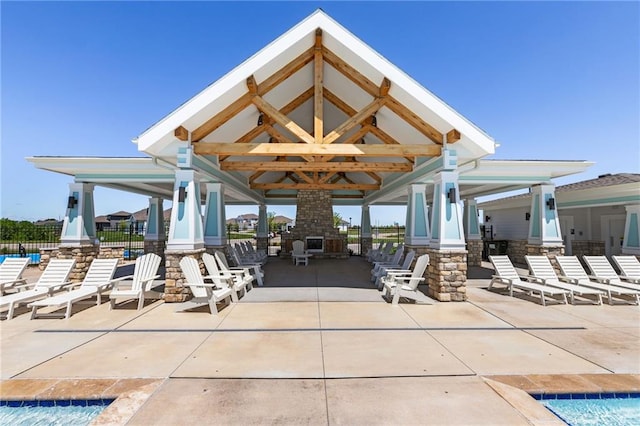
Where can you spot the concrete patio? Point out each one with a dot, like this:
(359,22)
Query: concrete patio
(318,345)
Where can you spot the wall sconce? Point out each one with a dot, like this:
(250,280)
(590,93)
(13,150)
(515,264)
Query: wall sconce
(527,216)
(487,218)
(182,194)
(71,202)
(452,195)
(374,121)
(261,119)
(551,203)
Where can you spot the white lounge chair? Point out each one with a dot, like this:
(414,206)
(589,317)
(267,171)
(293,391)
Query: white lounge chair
(406,285)
(260,255)
(204,294)
(572,269)
(11,272)
(372,251)
(255,267)
(99,278)
(382,254)
(601,270)
(395,261)
(629,267)
(404,267)
(221,275)
(54,278)
(507,274)
(542,271)
(145,271)
(298,254)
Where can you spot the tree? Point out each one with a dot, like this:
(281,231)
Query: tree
(271,221)
(337,220)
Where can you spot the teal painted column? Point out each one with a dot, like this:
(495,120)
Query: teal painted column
(263,224)
(215,230)
(471,222)
(155,221)
(447,231)
(186,229)
(631,243)
(79,226)
(365,222)
(544,226)
(417,223)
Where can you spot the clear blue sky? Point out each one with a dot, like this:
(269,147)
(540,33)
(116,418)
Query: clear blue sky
(547,80)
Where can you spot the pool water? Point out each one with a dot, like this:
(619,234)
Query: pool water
(51,412)
(34,258)
(619,409)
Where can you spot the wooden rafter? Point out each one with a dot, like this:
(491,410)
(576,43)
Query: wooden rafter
(282,166)
(277,149)
(287,71)
(318,129)
(353,121)
(304,176)
(282,119)
(181,133)
(331,186)
(375,177)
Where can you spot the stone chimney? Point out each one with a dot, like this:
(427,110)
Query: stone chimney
(314,215)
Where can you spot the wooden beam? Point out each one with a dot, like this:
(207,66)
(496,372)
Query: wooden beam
(375,177)
(304,176)
(350,72)
(336,166)
(326,177)
(287,71)
(384,87)
(181,133)
(318,129)
(330,186)
(453,136)
(282,119)
(252,86)
(351,122)
(416,122)
(296,149)
(222,117)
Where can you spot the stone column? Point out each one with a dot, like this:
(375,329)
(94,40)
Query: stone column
(631,243)
(472,232)
(154,236)
(78,240)
(366,240)
(262,233)
(545,238)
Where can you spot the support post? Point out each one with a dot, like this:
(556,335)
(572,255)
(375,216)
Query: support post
(366,240)
(262,233)
(631,242)
(472,232)
(155,236)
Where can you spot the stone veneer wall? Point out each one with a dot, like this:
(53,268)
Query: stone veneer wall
(83,255)
(111,252)
(155,246)
(446,274)
(550,251)
(474,252)
(174,290)
(367,245)
(314,215)
(517,250)
(588,248)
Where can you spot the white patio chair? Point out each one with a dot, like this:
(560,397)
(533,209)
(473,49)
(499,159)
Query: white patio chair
(54,278)
(405,285)
(373,251)
(204,294)
(99,278)
(507,274)
(629,267)
(298,254)
(256,268)
(382,254)
(601,270)
(144,273)
(260,255)
(224,278)
(408,260)
(543,272)
(393,262)
(11,272)
(572,269)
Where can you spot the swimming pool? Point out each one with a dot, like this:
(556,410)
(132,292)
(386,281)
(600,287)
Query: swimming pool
(51,412)
(34,258)
(601,409)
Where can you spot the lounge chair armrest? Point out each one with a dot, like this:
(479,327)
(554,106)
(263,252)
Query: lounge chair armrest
(599,279)
(409,279)
(201,285)
(25,286)
(635,280)
(568,279)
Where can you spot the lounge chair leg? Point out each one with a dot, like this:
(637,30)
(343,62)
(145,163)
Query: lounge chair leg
(112,304)
(141,301)
(234,296)
(34,311)
(212,307)
(544,302)
(10,313)
(68,313)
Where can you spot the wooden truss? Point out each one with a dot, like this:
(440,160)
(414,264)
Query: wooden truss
(315,160)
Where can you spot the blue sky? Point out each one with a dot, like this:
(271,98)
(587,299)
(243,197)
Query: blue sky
(547,80)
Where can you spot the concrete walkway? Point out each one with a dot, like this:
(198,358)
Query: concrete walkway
(318,345)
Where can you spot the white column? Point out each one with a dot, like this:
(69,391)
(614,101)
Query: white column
(79,227)
(417,224)
(263,224)
(544,226)
(155,221)
(365,222)
(185,229)
(471,222)
(631,242)
(215,230)
(447,231)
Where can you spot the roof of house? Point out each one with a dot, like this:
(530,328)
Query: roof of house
(282,219)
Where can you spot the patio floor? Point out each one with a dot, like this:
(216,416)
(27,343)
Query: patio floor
(319,345)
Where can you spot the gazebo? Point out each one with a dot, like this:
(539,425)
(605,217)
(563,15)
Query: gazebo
(316,118)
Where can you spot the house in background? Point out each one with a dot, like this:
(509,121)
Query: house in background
(245,222)
(596,217)
(283,223)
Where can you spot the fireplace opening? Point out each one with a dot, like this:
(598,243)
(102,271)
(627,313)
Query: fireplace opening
(315,244)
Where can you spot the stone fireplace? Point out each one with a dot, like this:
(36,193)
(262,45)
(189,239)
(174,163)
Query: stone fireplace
(314,226)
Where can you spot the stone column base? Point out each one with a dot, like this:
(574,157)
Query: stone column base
(447,275)
(550,251)
(366,244)
(474,252)
(156,246)
(262,243)
(83,255)
(174,290)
